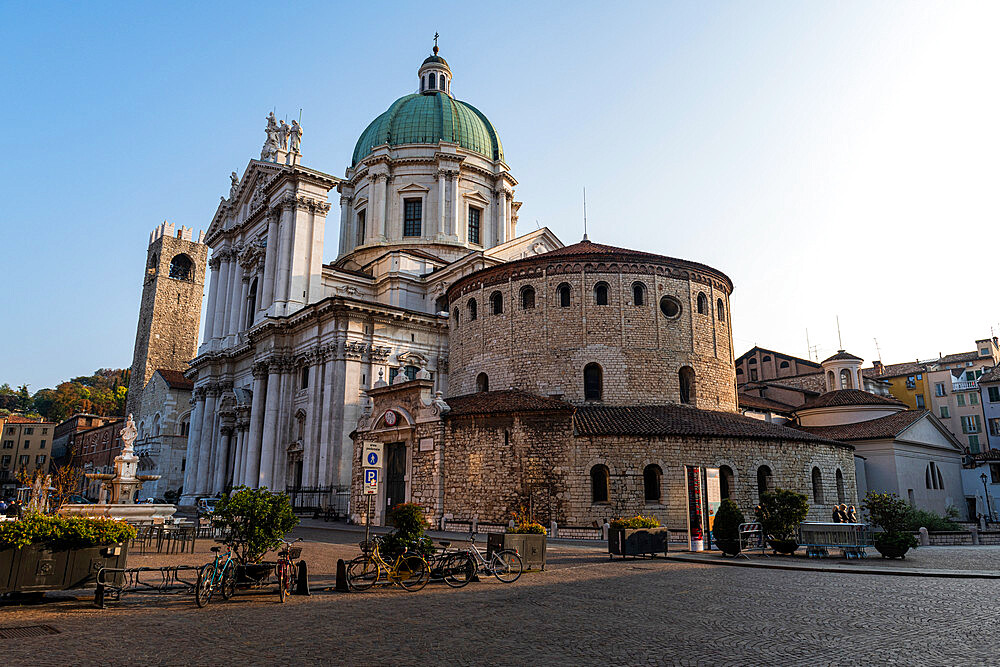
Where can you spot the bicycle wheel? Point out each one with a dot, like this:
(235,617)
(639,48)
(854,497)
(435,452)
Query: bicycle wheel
(458,569)
(283,575)
(506,566)
(411,571)
(203,587)
(228,588)
(362,573)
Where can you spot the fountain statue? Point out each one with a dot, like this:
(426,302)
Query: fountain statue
(118,489)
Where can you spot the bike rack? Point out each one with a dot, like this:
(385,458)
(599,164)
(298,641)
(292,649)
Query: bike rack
(113,582)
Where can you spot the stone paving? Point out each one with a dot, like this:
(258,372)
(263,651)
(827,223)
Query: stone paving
(583,609)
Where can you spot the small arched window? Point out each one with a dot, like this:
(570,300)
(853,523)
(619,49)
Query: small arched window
(600,478)
(423,83)
(727,482)
(652,478)
(752,361)
(527,297)
(831,380)
(455,315)
(720,310)
(933,477)
(496,303)
(601,294)
(156,425)
(739,371)
(482,382)
(817,482)
(767,357)
(564,292)
(686,378)
(251,303)
(845,379)
(702,304)
(304,378)
(433,81)
(783,364)
(841,492)
(473,310)
(593,382)
(638,294)
(764,480)
(182,268)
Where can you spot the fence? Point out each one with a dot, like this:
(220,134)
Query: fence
(306,499)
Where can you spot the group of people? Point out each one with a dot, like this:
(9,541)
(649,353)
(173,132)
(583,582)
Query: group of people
(9,508)
(844,514)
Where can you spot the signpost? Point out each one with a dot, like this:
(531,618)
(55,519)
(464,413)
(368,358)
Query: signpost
(371,460)
(713,498)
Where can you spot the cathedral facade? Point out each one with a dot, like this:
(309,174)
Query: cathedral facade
(292,343)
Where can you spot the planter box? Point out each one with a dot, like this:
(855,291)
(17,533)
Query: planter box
(530,547)
(37,568)
(638,541)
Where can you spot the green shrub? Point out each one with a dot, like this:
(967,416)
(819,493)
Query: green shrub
(409,523)
(781,512)
(59,533)
(727,521)
(637,521)
(916,519)
(527,528)
(255,521)
(886,511)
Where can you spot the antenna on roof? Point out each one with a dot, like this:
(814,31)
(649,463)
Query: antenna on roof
(877,349)
(585,215)
(840,340)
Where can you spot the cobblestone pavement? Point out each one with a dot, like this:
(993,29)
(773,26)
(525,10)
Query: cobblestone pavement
(581,610)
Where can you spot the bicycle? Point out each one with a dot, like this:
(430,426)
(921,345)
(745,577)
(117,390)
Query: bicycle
(451,566)
(212,575)
(505,565)
(285,568)
(409,570)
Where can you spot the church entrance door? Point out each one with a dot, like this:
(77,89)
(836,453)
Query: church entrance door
(395,474)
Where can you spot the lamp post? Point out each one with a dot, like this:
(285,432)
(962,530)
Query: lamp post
(989,508)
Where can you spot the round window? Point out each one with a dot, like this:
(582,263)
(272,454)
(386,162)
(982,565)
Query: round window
(670,307)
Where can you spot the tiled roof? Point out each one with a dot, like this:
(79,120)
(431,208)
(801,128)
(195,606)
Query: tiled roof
(808,382)
(960,356)
(175,379)
(988,455)
(679,420)
(895,370)
(760,403)
(992,375)
(798,360)
(848,397)
(508,400)
(842,355)
(21,419)
(875,429)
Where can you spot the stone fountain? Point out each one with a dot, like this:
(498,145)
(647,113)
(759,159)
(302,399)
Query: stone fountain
(118,489)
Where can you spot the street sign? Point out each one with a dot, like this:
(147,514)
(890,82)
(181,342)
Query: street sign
(371,454)
(371,481)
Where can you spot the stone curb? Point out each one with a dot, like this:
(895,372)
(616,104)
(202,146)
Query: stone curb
(839,569)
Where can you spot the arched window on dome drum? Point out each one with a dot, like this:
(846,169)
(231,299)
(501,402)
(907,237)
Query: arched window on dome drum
(727,482)
(482,382)
(720,310)
(423,83)
(841,493)
(433,83)
(831,381)
(601,294)
(783,364)
(687,384)
(593,382)
(600,478)
(564,295)
(527,297)
(455,315)
(845,379)
(361,227)
(638,294)
(764,480)
(473,310)
(702,303)
(496,303)
(251,304)
(182,268)
(412,216)
(652,478)
(817,482)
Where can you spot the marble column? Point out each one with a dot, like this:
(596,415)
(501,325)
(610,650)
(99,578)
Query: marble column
(501,200)
(284,255)
(376,204)
(241,314)
(346,237)
(310,440)
(194,437)
(266,286)
(269,440)
(222,459)
(219,318)
(326,420)
(207,440)
(250,474)
(232,474)
(284,426)
(456,206)
(442,225)
(238,294)
(213,295)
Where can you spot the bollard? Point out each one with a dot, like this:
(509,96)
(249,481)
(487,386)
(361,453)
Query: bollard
(475,523)
(604,531)
(302,580)
(510,524)
(925,539)
(975,535)
(554,529)
(342,586)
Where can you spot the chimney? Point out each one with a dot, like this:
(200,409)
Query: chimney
(879,367)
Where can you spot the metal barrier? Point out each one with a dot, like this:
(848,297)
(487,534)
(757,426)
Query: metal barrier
(113,582)
(851,538)
(752,537)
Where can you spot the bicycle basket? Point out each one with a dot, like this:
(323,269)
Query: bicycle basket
(294,553)
(367,545)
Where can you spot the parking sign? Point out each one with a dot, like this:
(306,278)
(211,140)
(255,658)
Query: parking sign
(370,481)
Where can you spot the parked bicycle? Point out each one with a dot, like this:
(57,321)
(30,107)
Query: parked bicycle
(409,569)
(220,573)
(505,565)
(454,567)
(285,568)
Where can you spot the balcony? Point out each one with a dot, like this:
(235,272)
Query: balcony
(965,386)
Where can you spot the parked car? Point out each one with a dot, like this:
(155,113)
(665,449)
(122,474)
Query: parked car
(78,500)
(206,505)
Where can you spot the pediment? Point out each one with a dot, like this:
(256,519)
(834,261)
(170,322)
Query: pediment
(476,197)
(414,187)
(360,203)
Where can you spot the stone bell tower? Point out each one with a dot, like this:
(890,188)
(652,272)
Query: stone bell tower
(170,310)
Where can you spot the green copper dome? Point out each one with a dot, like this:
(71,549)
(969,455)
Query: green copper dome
(428,119)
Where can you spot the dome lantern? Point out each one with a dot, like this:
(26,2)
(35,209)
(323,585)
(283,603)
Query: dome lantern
(434,75)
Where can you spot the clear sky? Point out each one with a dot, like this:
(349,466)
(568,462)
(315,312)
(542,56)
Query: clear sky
(835,158)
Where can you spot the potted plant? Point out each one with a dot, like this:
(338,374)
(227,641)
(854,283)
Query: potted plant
(409,527)
(41,552)
(526,537)
(253,521)
(726,527)
(780,514)
(889,512)
(637,536)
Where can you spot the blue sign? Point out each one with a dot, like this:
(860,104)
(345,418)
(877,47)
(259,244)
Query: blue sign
(371,476)
(373,458)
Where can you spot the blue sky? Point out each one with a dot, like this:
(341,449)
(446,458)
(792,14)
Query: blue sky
(831,158)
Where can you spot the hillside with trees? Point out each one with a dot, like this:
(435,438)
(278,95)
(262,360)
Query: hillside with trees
(103,393)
